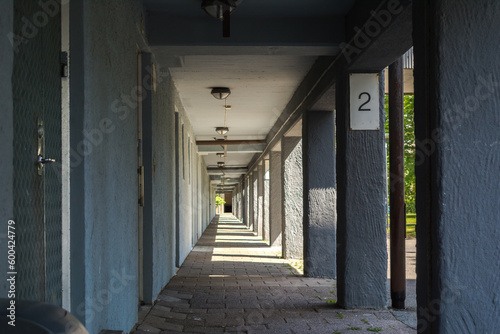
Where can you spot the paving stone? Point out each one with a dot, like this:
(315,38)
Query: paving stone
(148,328)
(244,287)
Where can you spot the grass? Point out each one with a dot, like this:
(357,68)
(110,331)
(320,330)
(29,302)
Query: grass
(411,220)
(374,329)
(354,328)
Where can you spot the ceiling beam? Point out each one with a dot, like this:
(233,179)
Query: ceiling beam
(246,31)
(230,142)
(208,149)
(227,169)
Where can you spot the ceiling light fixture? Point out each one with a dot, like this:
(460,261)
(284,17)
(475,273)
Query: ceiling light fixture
(220,164)
(222,130)
(221,9)
(220,93)
(220,155)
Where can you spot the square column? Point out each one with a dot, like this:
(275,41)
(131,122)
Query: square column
(275,204)
(265,213)
(251,201)
(457,117)
(240,201)
(361,202)
(320,196)
(291,192)
(245,201)
(260,199)
(255,199)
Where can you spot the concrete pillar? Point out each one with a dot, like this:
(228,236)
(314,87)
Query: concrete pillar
(457,99)
(361,198)
(291,175)
(255,202)
(320,212)
(250,201)
(265,213)
(275,204)
(243,201)
(260,199)
(239,195)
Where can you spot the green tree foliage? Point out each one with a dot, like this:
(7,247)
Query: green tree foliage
(409,149)
(219,200)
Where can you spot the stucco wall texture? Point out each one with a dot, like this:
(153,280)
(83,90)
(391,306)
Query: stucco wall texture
(275,206)
(193,188)
(320,212)
(361,234)
(292,219)
(457,121)
(163,171)
(111,180)
(6,129)
(111,209)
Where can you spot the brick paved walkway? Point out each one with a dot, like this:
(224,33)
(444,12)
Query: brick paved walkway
(233,282)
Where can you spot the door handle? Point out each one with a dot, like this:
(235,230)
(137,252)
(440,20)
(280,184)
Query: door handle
(42,161)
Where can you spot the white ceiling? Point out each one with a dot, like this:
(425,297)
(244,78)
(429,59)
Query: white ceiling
(261,86)
(273,47)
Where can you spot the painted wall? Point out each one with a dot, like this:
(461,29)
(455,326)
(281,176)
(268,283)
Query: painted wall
(361,183)
(194,191)
(163,171)
(275,205)
(105,60)
(107,264)
(457,117)
(291,192)
(6,133)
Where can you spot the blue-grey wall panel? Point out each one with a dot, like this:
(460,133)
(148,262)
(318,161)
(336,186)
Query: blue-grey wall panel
(37,198)
(163,170)
(109,146)
(6,129)
(457,125)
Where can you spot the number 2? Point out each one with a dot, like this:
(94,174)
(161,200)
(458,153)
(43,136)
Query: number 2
(362,105)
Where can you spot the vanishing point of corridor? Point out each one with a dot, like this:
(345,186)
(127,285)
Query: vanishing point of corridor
(233,282)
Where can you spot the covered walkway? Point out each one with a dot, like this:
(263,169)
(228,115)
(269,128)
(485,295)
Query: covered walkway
(232,281)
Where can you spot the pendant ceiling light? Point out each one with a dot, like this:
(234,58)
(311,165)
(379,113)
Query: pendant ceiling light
(221,9)
(220,93)
(222,130)
(215,8)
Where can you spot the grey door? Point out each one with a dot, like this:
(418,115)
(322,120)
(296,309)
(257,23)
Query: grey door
(36,82)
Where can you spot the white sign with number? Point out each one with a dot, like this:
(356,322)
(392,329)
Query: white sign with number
(364,101)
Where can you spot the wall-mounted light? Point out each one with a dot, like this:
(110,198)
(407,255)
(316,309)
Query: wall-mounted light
(222,130)
(220,93)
